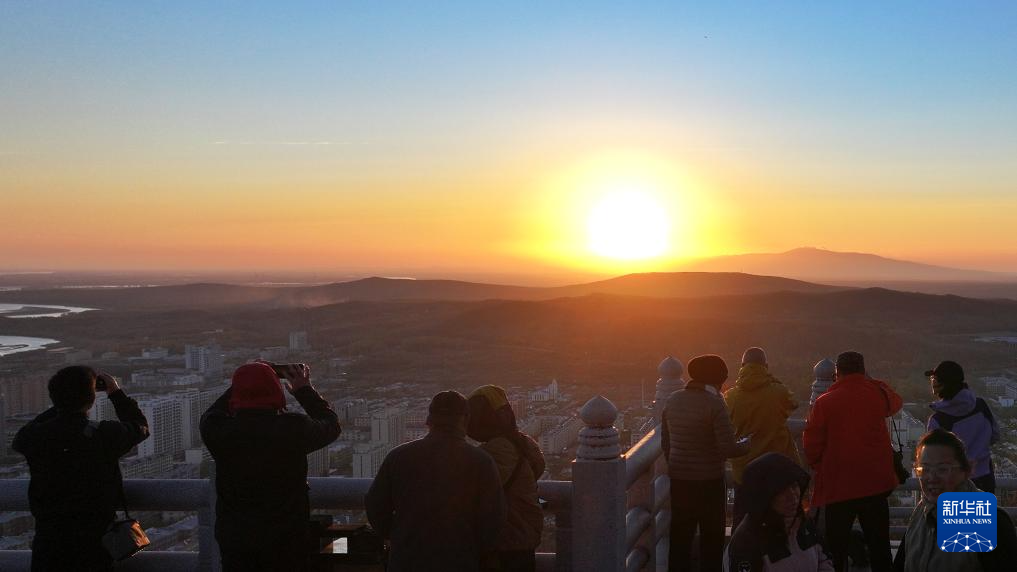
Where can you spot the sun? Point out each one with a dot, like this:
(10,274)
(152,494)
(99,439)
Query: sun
(628,224)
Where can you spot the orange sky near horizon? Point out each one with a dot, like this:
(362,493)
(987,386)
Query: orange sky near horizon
(524,217)
(288,138)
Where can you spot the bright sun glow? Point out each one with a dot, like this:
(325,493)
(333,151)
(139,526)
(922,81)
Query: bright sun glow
(628,225)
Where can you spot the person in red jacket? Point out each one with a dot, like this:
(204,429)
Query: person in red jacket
(847,444)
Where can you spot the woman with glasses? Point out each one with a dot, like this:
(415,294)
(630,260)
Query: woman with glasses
(942,466)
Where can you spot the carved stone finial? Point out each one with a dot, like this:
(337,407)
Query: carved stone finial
(599,439)
(825,372)
(599,412)
(670,370)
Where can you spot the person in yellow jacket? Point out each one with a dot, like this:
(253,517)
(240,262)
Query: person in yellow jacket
(759,405)
(520,463)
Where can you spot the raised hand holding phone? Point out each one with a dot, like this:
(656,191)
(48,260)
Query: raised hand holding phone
(298,375)
(106,382)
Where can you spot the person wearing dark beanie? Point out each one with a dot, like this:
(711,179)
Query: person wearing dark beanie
(697,437)
(438,501)
(260,451)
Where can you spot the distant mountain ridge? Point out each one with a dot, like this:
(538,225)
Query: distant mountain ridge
(198,296)
(815,264)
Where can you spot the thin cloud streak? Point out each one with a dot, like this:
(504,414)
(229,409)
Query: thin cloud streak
(287,143)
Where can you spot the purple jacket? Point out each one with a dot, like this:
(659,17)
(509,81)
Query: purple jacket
(978,430)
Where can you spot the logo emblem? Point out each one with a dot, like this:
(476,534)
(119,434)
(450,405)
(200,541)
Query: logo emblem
(966,522)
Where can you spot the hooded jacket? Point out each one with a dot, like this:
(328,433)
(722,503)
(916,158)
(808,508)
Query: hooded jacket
(261,474)
(759,405)
(492,422)
(760,544)
(520,464)
(919,552)
(970,419)
(847,442)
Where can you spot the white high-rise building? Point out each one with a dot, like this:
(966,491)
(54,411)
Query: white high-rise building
(556,439)
(193,404)
(25,394)
(103,409)
(298,341)
(349,410)
(367,458)
(317,463)
(205,359)
(388,426)
(165,426)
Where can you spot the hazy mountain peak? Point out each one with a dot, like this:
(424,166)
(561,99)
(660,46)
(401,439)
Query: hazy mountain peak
(819,264)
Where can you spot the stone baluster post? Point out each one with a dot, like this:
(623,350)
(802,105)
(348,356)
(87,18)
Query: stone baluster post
(598,492)
(208,547)
(670,371)
(563,540)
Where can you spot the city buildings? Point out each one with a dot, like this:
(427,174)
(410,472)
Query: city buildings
(388,426)
(25,394)
(367,459)
(549,393)
(193,404)
(1000,387)
(298,341)
(274,353)
(207,360)
(165,425)
(317,463)
(560,437)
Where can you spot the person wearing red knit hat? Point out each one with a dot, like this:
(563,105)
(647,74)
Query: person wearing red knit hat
(260,451)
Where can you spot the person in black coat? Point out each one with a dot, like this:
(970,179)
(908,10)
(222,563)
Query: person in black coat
(776,534)
(260,450)
(438,500)
(76,484)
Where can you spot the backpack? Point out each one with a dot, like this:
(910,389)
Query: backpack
(947,421)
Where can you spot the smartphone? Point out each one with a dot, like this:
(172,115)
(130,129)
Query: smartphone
(282,369)
(100,384)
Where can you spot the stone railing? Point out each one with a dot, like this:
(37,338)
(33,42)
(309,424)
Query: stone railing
(613,516)
(329,493)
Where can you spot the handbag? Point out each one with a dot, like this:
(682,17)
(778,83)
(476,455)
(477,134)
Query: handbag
(124,538)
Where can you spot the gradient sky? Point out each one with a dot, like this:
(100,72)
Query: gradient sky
(458,137)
